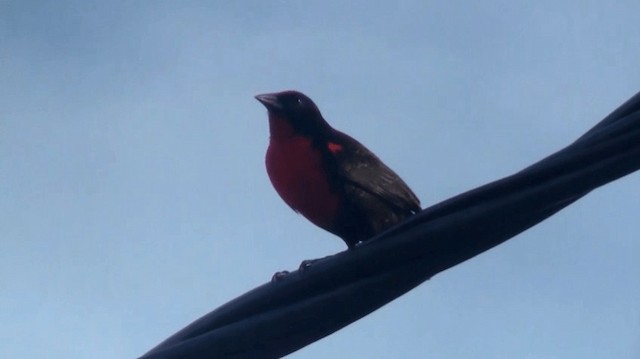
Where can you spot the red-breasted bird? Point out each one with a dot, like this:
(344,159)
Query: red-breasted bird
(329,177)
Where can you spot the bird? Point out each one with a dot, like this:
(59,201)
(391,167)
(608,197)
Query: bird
(329,177)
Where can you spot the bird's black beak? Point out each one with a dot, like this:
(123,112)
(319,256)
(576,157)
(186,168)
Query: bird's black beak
(270,101)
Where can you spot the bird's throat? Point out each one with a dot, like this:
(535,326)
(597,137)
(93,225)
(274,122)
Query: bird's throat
(279,127)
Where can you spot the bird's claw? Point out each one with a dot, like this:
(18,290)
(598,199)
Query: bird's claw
(279,275)
(306,264)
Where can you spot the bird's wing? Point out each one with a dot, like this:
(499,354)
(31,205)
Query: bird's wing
(363,170)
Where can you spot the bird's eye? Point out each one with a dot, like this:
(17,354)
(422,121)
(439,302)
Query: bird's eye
(299,101)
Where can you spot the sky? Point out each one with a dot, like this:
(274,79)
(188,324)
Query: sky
(134,198)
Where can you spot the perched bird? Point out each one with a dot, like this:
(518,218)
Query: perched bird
(329,177)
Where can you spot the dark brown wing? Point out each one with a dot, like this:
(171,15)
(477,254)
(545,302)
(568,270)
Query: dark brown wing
(366,176)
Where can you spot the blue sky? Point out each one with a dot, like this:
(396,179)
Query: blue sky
(134,199)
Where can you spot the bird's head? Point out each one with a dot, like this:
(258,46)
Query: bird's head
(293,111)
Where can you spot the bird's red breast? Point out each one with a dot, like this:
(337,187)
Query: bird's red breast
(296,170)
